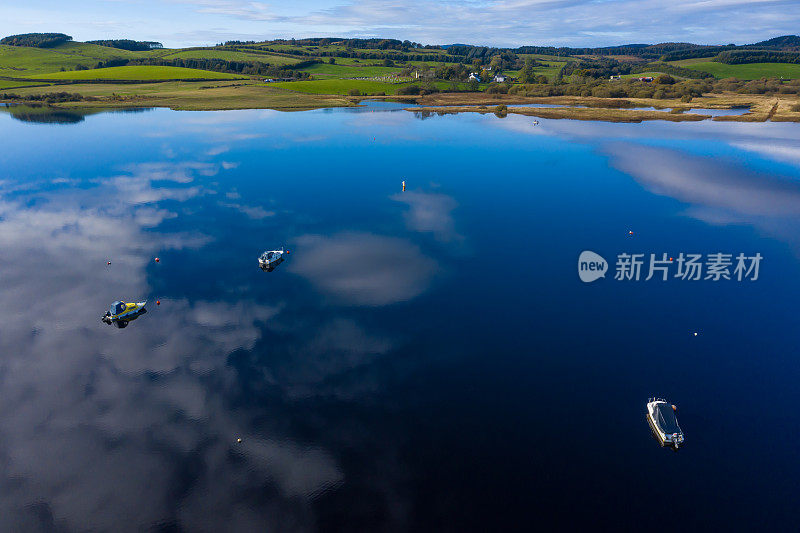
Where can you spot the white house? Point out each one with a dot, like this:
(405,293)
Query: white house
(499,78)
(474,76)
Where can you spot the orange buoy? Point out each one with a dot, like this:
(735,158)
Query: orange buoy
(158,302)
(674,408)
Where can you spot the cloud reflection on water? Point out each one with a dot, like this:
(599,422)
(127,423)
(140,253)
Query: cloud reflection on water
(98,425)
(430,213)
(718,192)
(362,268)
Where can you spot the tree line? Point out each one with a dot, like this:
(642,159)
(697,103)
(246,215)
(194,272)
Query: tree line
(128,44)
(248,68)
(740,57)
(37,40)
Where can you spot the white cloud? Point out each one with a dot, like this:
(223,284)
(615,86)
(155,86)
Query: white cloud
(507,22)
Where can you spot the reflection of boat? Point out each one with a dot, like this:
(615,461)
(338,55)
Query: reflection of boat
(270,259)
(121,313)
(661,416)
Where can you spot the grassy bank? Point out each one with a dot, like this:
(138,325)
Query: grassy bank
(197,96)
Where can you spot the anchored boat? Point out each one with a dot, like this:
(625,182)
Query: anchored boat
(270,259)
(121,313)
(661,416)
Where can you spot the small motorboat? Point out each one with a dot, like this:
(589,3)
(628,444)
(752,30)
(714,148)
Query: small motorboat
(121,313)
(535,122)
(661,416)
(270,259)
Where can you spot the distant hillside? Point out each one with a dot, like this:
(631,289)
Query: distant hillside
(785,42)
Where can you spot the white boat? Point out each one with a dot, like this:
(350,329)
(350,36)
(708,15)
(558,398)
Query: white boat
(661,416)
(271,258)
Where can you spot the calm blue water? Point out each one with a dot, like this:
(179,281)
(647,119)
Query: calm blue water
(424,360)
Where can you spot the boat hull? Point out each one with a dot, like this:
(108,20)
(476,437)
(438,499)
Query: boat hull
(673,439)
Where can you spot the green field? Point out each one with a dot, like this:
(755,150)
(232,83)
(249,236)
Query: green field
(335,86)
(140,72)
(750,71)
(230,55)
(5,84)
(345,71)
(23,60)
(550,70)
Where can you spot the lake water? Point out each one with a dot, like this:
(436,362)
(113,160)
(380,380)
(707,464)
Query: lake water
(426,360)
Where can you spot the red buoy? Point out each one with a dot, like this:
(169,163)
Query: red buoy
(108,263)
(157,260)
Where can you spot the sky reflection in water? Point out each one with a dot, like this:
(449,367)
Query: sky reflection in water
(422,360)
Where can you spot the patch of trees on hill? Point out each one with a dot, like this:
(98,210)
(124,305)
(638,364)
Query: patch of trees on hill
(379,44)
(694,53)
(599,68)
(128,44)
(37,40)
(478,52)
(740,57)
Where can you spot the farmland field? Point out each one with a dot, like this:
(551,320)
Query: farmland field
(23,60)
(365,87)
(346,71)
(6,84)
(335,86)
(140,72)
(230,55)
(750,71)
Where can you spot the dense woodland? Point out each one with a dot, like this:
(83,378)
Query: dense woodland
(740,57)
(37,40)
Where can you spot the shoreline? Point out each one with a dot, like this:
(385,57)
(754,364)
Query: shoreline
(224,95)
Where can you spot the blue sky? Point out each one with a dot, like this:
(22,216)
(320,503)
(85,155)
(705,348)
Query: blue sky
(495,22)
